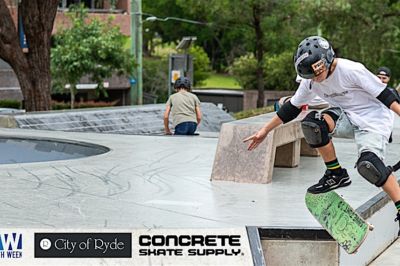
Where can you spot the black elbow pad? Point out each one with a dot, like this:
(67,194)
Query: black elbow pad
(288,112)
(387,97)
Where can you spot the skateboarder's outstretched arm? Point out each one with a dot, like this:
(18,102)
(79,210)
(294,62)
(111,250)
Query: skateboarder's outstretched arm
(257,138)
(286,113)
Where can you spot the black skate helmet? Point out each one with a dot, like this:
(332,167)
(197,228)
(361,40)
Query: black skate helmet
(182,82)
(314,54)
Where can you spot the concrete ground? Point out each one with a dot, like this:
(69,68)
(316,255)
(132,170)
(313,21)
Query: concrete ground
(163,182)
(390,257)
(160,181)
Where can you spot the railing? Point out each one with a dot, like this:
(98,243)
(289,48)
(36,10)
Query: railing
(98,10)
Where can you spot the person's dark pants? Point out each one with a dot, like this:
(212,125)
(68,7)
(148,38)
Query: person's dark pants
(186,128)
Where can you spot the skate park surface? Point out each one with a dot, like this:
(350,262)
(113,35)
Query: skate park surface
(164,182)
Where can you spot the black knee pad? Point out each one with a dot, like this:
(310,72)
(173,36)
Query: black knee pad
(315,130)
(373,169)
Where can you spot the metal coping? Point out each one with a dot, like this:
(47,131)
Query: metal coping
(293,233)
(373,205)
(255,246)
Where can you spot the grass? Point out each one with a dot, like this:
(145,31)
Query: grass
(221,82)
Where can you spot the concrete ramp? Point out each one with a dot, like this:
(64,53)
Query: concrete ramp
(133,120)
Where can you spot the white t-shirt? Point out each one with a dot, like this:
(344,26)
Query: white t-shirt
(317,100)
(353,88)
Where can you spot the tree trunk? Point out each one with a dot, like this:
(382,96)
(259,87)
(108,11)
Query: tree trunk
(259,54)
(32,68)
(72,98)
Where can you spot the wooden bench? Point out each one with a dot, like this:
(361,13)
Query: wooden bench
(282,148)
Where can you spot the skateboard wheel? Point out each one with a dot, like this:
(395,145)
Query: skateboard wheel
(370,227)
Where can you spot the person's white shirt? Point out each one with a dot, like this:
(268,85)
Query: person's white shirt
(317,101)
(353,88)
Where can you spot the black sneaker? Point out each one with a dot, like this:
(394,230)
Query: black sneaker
(330,181)
(397,219)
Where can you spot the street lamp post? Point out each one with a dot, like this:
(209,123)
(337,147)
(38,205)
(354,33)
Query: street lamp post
(137,46)
(136,51)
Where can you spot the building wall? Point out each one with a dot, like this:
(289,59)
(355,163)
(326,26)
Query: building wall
(120,20)
(121,16)
(231,101)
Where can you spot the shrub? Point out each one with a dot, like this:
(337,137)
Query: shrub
(201,65)
(244,71)
(279,72)
(87,104)
(253,112)
(10,103)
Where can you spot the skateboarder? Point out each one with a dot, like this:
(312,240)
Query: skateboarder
(362,111)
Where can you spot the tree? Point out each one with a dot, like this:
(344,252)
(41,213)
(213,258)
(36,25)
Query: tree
(32,68)
(93,48)
(365,31)
(247,23)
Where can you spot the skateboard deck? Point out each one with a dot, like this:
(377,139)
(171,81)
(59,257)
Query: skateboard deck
(339,219)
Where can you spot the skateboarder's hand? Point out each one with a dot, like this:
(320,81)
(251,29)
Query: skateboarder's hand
(256,139)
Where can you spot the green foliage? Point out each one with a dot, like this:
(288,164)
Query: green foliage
(113,3)
(244,70)
(9,103)
(279,72)
(201,64)
(155,77)
(365,31)
(93,48)
(173,30)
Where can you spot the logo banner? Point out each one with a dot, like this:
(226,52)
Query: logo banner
(208,246)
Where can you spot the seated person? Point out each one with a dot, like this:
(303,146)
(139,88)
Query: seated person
(184,107)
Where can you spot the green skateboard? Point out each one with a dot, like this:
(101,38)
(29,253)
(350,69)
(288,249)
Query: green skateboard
(339,219)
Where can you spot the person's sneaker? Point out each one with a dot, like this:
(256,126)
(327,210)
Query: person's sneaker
(397,219)
(330,181)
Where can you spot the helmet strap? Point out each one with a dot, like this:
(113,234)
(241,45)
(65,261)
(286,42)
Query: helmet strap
(331,68)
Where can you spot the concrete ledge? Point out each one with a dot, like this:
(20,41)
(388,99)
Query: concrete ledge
(282,148)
